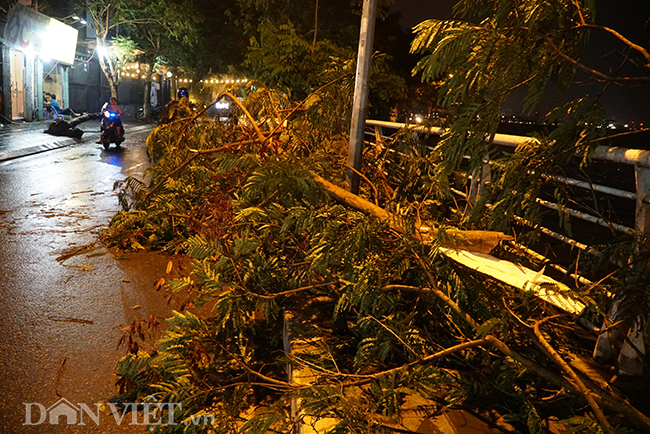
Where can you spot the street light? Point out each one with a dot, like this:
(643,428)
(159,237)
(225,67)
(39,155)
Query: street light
(73,19)
(102,51)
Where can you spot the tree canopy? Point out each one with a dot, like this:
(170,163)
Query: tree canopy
(538,46)
(279,42)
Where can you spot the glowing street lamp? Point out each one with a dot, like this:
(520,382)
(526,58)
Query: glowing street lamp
(102,51)
(73,19)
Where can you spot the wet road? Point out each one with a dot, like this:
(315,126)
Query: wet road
(60,321)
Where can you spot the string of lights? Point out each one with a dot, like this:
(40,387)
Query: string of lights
(135,71)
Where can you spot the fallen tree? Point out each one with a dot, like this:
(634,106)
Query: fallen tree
(288,269)
(61,127)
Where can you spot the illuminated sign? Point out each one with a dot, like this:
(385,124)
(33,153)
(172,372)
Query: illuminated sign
(32,32)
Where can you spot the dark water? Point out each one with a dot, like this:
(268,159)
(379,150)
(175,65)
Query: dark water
(613,209)
(621,137)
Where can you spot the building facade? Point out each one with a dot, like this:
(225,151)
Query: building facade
(40,54)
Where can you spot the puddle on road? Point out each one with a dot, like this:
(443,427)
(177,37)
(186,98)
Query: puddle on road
(80,212)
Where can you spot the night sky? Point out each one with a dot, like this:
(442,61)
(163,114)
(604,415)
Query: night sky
(416,11)
(629,17)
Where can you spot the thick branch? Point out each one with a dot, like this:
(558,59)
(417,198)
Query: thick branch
(248,115)
(620,37)
(475,241)
(594,73)
(576,380)
(365,178)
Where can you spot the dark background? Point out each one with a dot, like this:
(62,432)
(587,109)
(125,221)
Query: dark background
(622,104)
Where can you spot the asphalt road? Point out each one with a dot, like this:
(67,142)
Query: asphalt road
(60,321)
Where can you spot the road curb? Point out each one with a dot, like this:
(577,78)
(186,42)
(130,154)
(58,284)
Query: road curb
(24,152)
(61,143)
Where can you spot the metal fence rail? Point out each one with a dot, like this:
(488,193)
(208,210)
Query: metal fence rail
(639,160)
(630,359)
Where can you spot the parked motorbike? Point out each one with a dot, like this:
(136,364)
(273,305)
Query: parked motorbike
(111,128)
(154,112)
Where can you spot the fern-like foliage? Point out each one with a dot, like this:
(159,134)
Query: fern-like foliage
(286,279)
(512,45)
(492,51)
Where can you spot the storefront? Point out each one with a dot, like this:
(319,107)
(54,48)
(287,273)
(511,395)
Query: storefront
(36,54)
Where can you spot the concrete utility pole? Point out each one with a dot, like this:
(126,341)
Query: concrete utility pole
(63,73)
(6,85)
(360,103)
(28,103)
(38,74)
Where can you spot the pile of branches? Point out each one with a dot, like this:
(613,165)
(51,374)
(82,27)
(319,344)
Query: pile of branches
(289,276)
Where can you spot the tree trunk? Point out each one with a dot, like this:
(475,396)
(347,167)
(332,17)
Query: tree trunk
(146,103)
(113,89)
(109,76)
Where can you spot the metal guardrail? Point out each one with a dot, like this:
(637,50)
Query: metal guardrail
(638,159)
(630,360)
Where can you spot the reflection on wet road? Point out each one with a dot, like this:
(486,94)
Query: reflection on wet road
(61,320)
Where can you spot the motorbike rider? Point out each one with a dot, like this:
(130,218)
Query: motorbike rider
(113,107)
(183,93)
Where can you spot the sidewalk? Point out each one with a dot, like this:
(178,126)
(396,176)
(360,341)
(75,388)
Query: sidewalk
(21,139)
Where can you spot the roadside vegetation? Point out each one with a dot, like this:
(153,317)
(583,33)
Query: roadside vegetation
(376,315)
(305,306)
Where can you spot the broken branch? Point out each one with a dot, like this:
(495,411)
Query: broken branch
(474,241)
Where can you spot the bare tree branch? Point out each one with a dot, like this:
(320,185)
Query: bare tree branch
(622,38)
(594,73)
(604,423)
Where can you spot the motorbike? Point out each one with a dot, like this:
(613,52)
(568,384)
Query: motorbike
(111,128)
(154,112)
